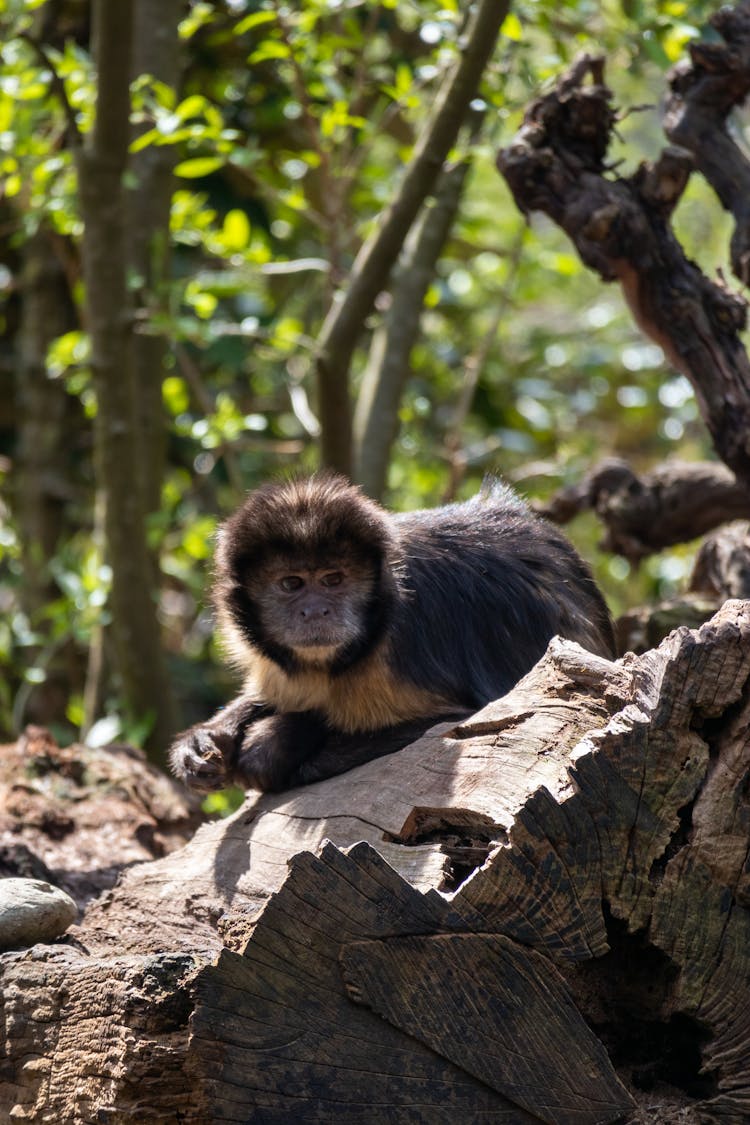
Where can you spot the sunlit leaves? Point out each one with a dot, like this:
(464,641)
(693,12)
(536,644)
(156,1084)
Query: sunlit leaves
(512,28)
(289,134)
(67,353)
(235,231)
(197,166)
(338,118)
(257,19)
(199,16)
(35,164)
(198,540)
(676,39)
(269,49)
(175,394)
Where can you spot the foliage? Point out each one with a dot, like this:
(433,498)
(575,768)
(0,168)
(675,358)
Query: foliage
(290,130)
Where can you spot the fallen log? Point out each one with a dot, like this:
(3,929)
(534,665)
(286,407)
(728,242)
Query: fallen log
(538,915)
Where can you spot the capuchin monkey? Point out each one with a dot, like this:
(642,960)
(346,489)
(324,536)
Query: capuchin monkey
(357,629)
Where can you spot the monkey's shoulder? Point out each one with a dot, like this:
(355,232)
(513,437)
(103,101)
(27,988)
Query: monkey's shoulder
(484,537)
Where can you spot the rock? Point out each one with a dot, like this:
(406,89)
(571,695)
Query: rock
(32,910)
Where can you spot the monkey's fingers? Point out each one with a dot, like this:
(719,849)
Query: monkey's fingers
(199,763)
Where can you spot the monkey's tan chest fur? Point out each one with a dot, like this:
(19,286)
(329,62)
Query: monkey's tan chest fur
(367,697)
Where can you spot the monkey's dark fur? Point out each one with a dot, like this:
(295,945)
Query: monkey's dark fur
(357,628)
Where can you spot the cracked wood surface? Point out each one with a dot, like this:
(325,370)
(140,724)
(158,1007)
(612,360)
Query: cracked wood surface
(602,937)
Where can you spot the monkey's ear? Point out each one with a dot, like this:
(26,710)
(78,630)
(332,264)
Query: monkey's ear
(222,546)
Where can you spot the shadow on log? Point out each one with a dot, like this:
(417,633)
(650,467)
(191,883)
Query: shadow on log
(592,967)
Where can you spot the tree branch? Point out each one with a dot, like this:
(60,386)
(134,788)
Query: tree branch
(674,502)
(376,414)
(620,228)
(703,92)
(370,271)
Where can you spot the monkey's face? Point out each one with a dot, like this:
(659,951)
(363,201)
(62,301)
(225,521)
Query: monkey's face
(314,611)
(306,575)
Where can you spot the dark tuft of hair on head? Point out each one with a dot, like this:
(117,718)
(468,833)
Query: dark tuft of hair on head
(310,517)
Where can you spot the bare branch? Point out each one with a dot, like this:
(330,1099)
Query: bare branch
(674,502)
(620,228)
(703,93)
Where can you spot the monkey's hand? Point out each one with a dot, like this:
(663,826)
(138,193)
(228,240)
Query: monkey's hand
(202,758)
(205,756)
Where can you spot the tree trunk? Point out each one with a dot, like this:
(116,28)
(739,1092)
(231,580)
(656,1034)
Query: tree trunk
(387,371)
(43,462)
(370,272)
(102,162)
(156,51)
(540,915)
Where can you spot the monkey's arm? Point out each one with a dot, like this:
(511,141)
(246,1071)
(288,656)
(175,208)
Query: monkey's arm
(341,752)
(247,746)
(205,757)
(275,748)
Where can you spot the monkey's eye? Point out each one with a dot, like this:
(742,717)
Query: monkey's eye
(291,582)
(334,578)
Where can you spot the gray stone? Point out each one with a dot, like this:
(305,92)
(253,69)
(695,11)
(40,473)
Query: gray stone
(31,911)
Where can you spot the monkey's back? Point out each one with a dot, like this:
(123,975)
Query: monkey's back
(485,585)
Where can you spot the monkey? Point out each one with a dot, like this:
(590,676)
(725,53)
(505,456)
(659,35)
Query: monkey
(358,629)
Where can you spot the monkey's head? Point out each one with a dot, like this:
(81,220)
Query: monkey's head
(305,574)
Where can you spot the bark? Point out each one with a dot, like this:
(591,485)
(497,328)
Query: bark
(593,967)
(384,378)
(620,228)
(156,51)
(43,485)
(671,503)
(346,318)
(722,565)
(721,570)
(642,628)
(703,92)
(102,162)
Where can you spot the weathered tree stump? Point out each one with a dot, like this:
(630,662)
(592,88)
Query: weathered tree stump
(592,967)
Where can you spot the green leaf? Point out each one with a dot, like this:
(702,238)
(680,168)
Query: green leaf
(175,394)
(198,541)
(236,230)
(194,106)
(511,27)
(271,49)
(144,140)
(254,20)
(198,166)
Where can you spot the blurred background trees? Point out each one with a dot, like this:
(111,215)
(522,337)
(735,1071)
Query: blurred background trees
(189,194)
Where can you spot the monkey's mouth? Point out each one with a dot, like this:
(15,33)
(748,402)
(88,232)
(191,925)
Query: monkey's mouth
(319,643)
(314,636)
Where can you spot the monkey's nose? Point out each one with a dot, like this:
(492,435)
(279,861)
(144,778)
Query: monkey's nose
(313,612)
